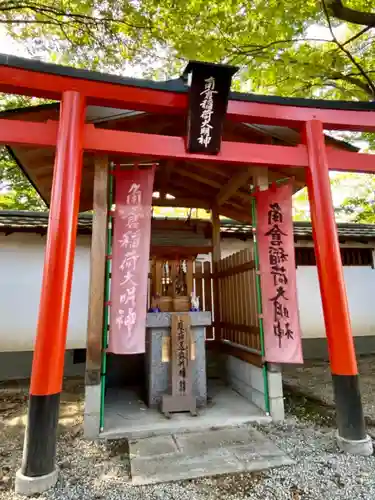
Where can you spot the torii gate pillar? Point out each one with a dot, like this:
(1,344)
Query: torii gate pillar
(350,420)
(38,471)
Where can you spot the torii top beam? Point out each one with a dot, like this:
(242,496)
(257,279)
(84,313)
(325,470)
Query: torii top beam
(34,78)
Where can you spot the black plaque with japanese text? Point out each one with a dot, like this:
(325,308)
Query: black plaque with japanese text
(208,101)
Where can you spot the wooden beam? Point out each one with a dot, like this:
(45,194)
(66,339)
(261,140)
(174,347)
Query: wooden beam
(236,182)
(167,170)
(210,182)
(191,187)
(182,224)
(194,189)
(187,251)
(290,114)
(350,162)
(216,253)
(105,141)
(97,273)
(237,352)
(162,146)
(216,256)
(181,202)
(235,214)
(214,169)
(199,178)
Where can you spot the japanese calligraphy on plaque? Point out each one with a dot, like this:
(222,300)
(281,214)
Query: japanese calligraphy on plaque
(130,255)
(207,111)
(183,355)
(282,335)
(208,100)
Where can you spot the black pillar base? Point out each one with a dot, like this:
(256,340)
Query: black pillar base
(41,432)
(349,411)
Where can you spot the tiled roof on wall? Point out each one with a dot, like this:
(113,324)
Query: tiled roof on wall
(37,222)
(303,230)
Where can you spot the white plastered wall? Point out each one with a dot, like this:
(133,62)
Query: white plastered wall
(21,266)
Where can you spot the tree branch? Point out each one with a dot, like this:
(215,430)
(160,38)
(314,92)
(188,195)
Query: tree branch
(338,9)
(357,35)
(350,79)
(346,51)
(260,48)
(45,10)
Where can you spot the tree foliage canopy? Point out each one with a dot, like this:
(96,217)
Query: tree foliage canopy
(308,48)
(359,204)
(279,45)
(16,191)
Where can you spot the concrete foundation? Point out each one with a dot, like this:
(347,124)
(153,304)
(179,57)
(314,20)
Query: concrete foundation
(363,447)
(17,365)
(248,380)
(126,416)
(91,421)
(30,486)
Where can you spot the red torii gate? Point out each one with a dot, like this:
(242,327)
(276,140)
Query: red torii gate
(71,136)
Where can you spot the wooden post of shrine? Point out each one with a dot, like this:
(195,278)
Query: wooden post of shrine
(97,273)
(216,256)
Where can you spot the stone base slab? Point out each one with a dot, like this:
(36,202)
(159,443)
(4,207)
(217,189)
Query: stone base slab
(29,486)
(200,454)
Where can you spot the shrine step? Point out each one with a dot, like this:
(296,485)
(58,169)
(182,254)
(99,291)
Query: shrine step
(126,416)
(178,457)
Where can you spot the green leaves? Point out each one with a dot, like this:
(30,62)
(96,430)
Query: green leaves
(353,198)
(16,191)
(359,204)
(281,47)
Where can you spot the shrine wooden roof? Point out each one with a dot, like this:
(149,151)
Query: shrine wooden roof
(192,184)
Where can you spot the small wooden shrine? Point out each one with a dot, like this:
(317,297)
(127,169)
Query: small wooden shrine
(172,284)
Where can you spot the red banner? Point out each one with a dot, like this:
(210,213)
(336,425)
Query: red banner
(130,258)
(274,232)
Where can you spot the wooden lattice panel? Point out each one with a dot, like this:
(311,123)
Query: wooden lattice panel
(238,313)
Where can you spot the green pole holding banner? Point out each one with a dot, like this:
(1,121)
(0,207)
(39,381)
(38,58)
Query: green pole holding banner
(259,305)
(107,294)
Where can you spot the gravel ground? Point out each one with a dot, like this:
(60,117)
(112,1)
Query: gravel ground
(314,379)
(94,471)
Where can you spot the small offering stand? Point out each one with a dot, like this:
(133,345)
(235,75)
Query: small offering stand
(175,338)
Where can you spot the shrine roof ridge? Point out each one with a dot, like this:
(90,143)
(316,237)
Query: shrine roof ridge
(175,85)
(37,222)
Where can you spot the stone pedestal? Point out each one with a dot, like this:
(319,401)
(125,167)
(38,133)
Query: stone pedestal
(158,332)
